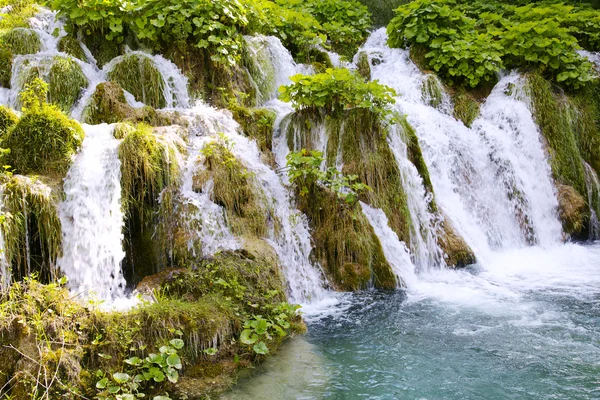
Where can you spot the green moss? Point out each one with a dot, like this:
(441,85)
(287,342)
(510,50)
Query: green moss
(20,12)
(466,108)
(43,142)
(71,46)
(257,123)
(363,66)
(139,76)
(345,243)
(32,228)
(457,251)
(109,105)
(572,211)
(586,120)
(22,41)
(66,82)
(257,60)
(7,120)
(416,156)
(147,167)
(103,50)
(234,188)
(6,60)
(432,91)
(417,55)
(318,59)
(553,117)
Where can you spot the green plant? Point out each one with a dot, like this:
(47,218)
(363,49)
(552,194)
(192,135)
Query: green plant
(468,43)
(258,330)
(138,373)
(304,169)
(337,89)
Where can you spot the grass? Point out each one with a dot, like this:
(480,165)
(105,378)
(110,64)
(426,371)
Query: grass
(21,41)
(8,119)
(71,46)
(66,83)
(139,76)
(432,91)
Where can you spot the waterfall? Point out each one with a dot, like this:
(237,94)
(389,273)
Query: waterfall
(492,181)
(92,219)
(395,251)
(291,240)
(593,191)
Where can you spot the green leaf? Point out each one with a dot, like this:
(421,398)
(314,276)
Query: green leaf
(248,337)
(177,343)
(174,361)
(121,377)
(260,348)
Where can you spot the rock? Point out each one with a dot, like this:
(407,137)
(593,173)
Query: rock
(153,282)
(572,210)
(458,253)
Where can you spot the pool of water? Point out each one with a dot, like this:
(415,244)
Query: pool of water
(527,326)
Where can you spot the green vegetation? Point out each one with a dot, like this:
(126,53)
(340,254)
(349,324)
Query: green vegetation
(466,108)
(335,90)
(6,60)
(31,227)
(139,76)
(468,43)
(8,119)
(66,82)
(432,91)
(19,14)
(257,123)
(234,187)
(363,66)
(21,41)
(44,139)
(72,47)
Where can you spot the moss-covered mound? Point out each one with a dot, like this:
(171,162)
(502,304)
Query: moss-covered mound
(139,76)
(6,60)
(22,41)
(257,123)
(356,138)
(71,46)
(32,228)
(207,309)
(108,105)
(345,243)
(466,108)
(8,119)
(363,66)
(234,188)
(43,142)
(66,81)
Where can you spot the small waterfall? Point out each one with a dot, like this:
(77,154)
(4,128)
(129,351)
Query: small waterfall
(291,240)
(593,190)
(395,251)
(493,181)
(92,219)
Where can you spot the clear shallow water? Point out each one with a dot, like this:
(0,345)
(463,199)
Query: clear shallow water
(526,326)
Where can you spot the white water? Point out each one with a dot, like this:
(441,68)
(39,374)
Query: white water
(289,234)
(92,219)
(492,181)
(593,188)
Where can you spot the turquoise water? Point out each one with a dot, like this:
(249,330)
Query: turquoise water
(525,327)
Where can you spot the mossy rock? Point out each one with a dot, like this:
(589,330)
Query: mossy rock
(256,59)
(318,59)
(345,243)
(139,75)
(43,142)
(22,41)
(432,91)
(466,108)
(257,123)
(66,82)
(357,138)
(109,105)
(32,230)
(457,251)
(234,188)
(572,211)
(586,121)
(363,66)
(6,60)
(415,155)
(552,114)
(72,46)
(103,50)
(8,119)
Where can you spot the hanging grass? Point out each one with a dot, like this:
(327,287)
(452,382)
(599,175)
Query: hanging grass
(148,165)
(44,140)
(32,228)
(234,188)
(466,108)
(22,41)
(139,76)
(257,123)
(6,60)
(8,119)
(71,46)
(66,83)
(432,92)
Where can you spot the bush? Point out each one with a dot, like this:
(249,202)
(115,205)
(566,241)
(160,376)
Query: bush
(66,82)
(7,120)
(139,76)
(471,43)
(335,90)
(44,140)
(22,41)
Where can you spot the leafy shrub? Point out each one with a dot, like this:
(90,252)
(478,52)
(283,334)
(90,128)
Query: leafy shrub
(335,90)
(44,140)
(304,169)
(470,43)
(7,120)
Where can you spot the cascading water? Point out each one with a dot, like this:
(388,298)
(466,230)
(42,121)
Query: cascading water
(492,181)
(291,240)
(92,219)
(593,188)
